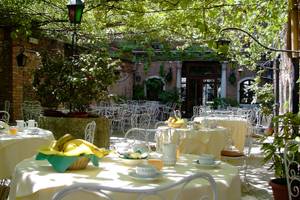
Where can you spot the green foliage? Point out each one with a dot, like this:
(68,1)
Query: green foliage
(76,81)
(263,95)
(232,78)
(154,84)
(224,102)
(169,76)
(162,70)
(138,92)
(273,151)
(182,23)
(170,96)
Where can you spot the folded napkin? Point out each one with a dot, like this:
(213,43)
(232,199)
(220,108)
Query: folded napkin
(62,163)
(62,153)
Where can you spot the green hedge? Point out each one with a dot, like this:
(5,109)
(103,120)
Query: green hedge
(76,126)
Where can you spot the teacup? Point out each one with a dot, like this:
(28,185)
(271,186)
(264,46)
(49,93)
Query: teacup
(32,123)
(122,148)
(206,159)
(145,170)
(21,125)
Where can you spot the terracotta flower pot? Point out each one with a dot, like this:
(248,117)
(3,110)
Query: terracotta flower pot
(279,188)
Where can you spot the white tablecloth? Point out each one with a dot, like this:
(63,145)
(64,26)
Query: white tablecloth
(237,127)
(198,141)
(37,180)
(15,148)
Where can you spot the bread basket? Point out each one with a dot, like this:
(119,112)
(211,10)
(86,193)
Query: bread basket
(80,163)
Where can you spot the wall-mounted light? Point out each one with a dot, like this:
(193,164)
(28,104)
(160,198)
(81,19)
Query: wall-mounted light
(21,58)
(240,70)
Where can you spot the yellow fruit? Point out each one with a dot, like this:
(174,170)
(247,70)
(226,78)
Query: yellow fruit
(62,140)
(81,149)
(69,146)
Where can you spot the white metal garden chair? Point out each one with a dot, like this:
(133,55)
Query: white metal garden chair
(89,132)
(140,120)
(292,168)
(106,192)
(4,116)
(31,110)
(240,158)
(7,106)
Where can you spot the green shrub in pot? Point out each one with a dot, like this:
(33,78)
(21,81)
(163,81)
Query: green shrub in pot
(76,81)
(273,150)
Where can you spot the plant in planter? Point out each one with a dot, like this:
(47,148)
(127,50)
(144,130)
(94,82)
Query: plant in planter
(288,130)
(74,82)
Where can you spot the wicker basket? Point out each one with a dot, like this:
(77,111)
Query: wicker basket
(80,163)
(4,190)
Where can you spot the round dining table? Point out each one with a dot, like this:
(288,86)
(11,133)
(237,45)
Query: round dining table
(196,141)
(238,128)
(36,180)
(15,148)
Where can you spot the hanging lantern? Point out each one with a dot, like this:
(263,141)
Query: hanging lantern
(75,8)
(223,46)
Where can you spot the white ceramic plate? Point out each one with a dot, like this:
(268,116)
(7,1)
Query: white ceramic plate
(135,176)
(203,165)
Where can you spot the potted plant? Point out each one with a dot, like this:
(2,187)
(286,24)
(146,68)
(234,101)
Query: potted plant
(288,124)
(74,82)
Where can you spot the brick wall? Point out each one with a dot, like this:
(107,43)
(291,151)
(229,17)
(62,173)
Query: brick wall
(16,81)
(5,67)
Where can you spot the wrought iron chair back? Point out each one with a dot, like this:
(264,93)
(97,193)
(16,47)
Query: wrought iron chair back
(140,120)
(292,168)
(31,110)
(89,132)
(4,116)
(7,105)
(107,191)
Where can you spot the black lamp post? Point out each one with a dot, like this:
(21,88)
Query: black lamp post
(75,8)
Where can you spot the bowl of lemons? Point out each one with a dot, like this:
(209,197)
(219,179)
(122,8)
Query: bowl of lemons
(175,122)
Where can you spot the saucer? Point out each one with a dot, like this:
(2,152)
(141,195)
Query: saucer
(206,165)
(135,176)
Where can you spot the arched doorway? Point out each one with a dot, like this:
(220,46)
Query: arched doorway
(153,87)
(244,91)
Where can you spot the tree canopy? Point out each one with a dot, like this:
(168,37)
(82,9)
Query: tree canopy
(180,22)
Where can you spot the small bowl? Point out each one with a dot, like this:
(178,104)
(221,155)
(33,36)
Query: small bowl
(133,162)
(145,170)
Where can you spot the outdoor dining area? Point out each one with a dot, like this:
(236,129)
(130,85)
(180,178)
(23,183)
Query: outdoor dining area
(176,157)
(148,100)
